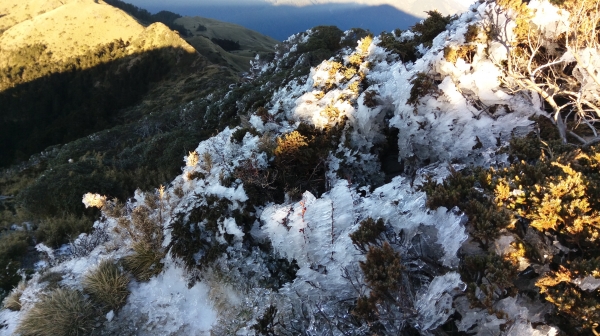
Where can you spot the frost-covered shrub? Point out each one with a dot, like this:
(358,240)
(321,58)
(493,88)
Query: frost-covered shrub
(421,33)
(197,233)
(369,232)
(300,157)
(63,312)
(322,37)
(557,196)
(422,84)
(142,228)
(460,189)
(538,223)
(431,27)
(85,243)
(107,285)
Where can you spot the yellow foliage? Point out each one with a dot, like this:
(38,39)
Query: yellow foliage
(290,143)
(517,255)
(502,192)
(94,200)
(564,201)
(552,279)
(365,44)
(331,112)
(349,73)
(523,17)
(354,87)
(466,52)
(355,59)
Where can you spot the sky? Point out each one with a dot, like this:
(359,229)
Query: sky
(282,18)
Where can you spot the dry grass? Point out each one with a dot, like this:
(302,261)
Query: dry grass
(107,285)
(145,262)
(60,34)
(63,312)
(13,300)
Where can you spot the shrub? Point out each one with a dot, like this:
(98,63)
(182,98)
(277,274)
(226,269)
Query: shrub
(322,37)
(142,228)
(300,156)
(422,85)
(55,231)
(187,243)
(227,45)
(13,247)
(390,296)
(431,27)
(63,312)
(368,232)
(107,285)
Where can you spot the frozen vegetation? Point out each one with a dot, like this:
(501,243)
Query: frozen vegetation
(310,218)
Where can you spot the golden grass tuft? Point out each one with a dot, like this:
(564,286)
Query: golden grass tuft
(107,285)
(13,300)
(145,262)
(63,312)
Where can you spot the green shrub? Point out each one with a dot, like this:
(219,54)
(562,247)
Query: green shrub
(55,231)
(13,248)
(107,285)
(185,243)
(431,27)
(322,37)
(63,312)
(368,232)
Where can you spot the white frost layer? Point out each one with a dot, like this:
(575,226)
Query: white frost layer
(170,306)
(435,305)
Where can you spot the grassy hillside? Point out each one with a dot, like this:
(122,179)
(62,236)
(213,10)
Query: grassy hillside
(210,37)
(91,97)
